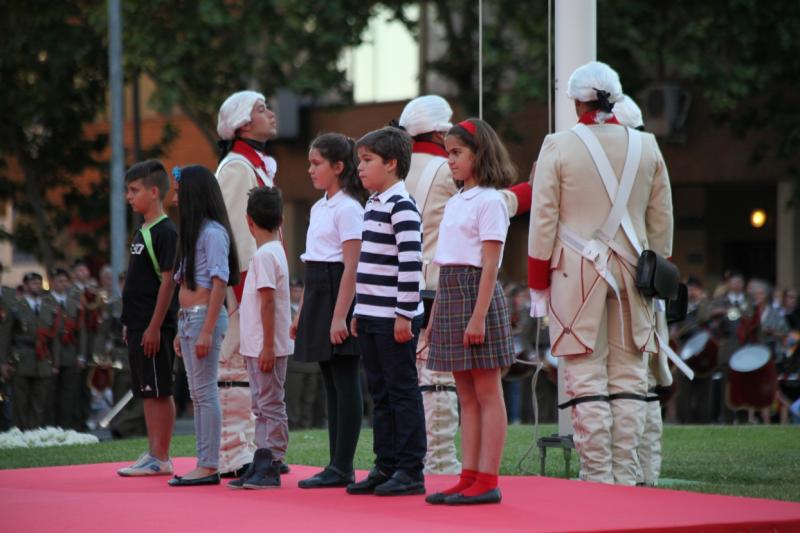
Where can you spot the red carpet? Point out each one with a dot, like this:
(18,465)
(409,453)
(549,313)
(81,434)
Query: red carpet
(88,498)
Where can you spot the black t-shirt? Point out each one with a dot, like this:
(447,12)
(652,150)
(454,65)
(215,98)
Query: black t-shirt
(142,284)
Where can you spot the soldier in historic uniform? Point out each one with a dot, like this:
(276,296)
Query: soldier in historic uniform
(34,322)
(584,244)
(70,343)
(430,182)
(244,125)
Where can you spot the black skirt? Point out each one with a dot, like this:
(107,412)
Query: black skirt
(313,342)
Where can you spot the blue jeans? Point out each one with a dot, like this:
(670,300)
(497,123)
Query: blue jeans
(399,439)
(202,377)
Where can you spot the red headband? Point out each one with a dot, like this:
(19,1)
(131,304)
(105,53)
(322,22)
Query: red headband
(469,126)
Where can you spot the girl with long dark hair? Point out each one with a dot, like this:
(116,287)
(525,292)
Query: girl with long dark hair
(206,263)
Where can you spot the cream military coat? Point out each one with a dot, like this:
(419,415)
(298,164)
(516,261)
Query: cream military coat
(568,190)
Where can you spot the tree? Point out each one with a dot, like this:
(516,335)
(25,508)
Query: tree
(199,52)
(742,56)
(52,65)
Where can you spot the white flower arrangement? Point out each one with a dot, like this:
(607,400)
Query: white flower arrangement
(44,437)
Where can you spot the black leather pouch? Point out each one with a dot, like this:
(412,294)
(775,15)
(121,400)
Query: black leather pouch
(678,307)
(656,277)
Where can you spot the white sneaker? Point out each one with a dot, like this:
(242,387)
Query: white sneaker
(147,465)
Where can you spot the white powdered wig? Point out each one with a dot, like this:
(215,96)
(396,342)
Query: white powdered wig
(584,83)
(425,114)
(628,113)
(235,113)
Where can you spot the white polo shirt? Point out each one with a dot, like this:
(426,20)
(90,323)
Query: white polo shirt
(334,221)
(471,217)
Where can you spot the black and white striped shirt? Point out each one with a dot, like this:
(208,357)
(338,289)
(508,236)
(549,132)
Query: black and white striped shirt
(390,266)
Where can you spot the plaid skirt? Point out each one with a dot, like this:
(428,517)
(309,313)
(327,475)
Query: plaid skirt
(455,301)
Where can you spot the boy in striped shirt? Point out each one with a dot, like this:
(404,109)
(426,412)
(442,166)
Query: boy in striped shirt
(388,315)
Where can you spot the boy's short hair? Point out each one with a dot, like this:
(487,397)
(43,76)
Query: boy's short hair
(265,207)
(30,276)
(152,173)
(390,143)
(60,272)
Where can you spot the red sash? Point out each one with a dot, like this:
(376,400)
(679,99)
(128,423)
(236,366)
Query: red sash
(248,152)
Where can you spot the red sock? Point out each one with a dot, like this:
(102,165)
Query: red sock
(483,483)
(466,479)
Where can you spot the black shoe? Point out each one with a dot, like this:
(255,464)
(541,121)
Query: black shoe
(266,473)
(328,478)
(283,468)
(242,477)
(490,496)
(238,473)
(401,484)
(437,498)
(367,486)
(177,481)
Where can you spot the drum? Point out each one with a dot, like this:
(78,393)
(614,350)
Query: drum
(753,378)
(524,365)
(700,352)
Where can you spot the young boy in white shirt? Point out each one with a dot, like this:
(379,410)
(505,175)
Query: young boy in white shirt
(264,338)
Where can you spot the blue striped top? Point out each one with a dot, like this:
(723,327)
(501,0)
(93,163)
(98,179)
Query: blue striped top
(390,266)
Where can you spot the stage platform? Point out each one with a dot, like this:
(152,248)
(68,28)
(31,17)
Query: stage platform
(92,498)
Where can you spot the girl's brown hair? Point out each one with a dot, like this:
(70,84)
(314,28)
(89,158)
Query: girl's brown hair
(493,166)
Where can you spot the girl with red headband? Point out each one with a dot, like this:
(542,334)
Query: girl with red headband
(471,333)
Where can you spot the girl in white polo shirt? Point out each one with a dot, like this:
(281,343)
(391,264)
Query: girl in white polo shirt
(333,244)
(471,333)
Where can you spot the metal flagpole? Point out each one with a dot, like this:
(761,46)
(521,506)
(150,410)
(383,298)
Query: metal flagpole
(117,193)
(480,59)
(576,44)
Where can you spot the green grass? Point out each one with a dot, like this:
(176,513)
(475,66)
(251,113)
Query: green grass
(754,461)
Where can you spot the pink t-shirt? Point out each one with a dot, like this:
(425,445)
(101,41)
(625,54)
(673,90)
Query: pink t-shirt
(268,268)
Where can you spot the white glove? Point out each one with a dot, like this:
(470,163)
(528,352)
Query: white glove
(540,303)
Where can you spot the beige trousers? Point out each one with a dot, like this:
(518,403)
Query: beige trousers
(650,444)
(607,433)
(237,445)
(441,419)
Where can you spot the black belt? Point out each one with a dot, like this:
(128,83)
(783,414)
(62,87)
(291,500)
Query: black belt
(583,399)
(603,398)
(437,388)
(228,384)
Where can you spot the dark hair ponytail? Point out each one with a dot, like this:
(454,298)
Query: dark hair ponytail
(335,147)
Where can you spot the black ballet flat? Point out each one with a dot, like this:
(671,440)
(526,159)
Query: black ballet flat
(490,496)
(211,479)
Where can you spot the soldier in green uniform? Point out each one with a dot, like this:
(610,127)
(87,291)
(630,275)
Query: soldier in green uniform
(70,344)
(34,321)
(8,297)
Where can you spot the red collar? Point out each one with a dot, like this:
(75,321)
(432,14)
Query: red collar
(242,148)
(427,147)
(590,119)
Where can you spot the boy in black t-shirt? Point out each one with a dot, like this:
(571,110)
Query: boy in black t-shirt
(149,313)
